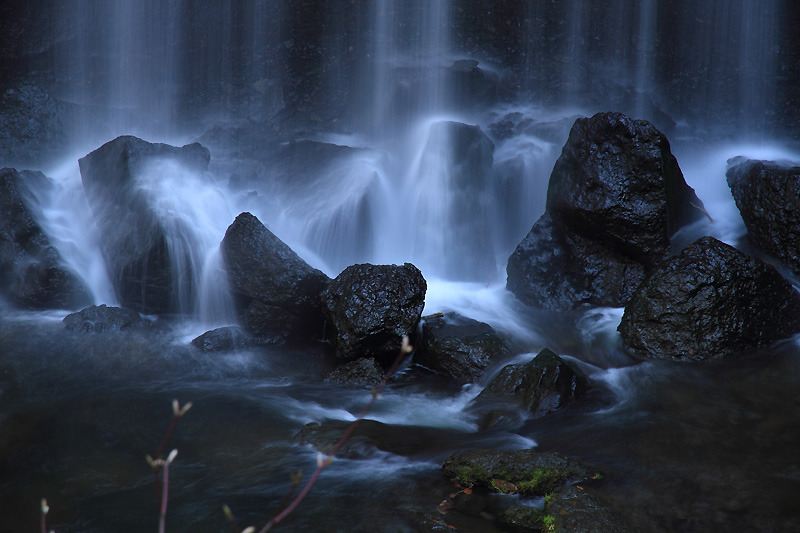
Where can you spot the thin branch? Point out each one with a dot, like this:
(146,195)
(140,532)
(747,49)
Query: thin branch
(324,462)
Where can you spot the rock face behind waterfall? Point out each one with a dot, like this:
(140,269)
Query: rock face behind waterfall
(277,294)
(615,197)
(455,211)
(371,307)
(32,273)
(710,301)
(768,197)
(134,240)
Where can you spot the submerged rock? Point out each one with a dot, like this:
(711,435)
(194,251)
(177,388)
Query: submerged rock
(539,386)
(370,308)
(767,194)
(148,273)
(221,339)
(32,272)
(616,195)
(101,318)
(710,301)
(277,294)
(459,347)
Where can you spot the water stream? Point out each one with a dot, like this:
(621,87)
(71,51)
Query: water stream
(682,447)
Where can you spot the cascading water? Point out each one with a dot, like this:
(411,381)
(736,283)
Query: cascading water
(385,136)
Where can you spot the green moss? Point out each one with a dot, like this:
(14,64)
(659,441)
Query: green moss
(472,475)
(548,523)
(541,481)
(523,517)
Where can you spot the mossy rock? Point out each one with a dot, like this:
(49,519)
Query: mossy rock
(513,472)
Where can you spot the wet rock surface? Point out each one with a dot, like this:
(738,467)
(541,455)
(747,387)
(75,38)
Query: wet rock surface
(222,339)
(364,371)
(32,272)
(539,386)
(513,472)
(134,236)
(277,293)
(102,318)
(710,301)
(616,195)
(459,347)
(370,308)
(767,194)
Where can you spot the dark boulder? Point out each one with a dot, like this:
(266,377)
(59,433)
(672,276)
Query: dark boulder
(221,339)
(32,272)
(539,386)
(101,318)
(616,196)
(277,294)
(459,347)
(768,197)
(370,308)
(365,371)
(710,301)
(143,248)
(517,472)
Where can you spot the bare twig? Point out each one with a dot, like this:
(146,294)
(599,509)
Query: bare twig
(45,510)
(177,414)
(162,516)
(324,461)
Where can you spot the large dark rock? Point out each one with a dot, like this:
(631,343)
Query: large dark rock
(615,197)
(101,318)
(32,272)
(768,197)
(710,301)
(370,308)
(277,294)
(143,248)
(539,386)
(459,347)
(575,509)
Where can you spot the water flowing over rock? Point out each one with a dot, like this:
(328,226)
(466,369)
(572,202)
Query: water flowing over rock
(616,196)
(453,211)
(370,308)
(32,272)
(710,301)
(277,293)
(147,252)
(221,339)
(540,386)
(767,194)
(102,318)
(459,347)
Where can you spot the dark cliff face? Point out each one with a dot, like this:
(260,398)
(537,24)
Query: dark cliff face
(309,60)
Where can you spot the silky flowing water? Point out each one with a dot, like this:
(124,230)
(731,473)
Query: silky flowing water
(679,446)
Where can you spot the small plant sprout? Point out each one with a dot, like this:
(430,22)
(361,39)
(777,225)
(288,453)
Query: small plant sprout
(45,510)
(179,411)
